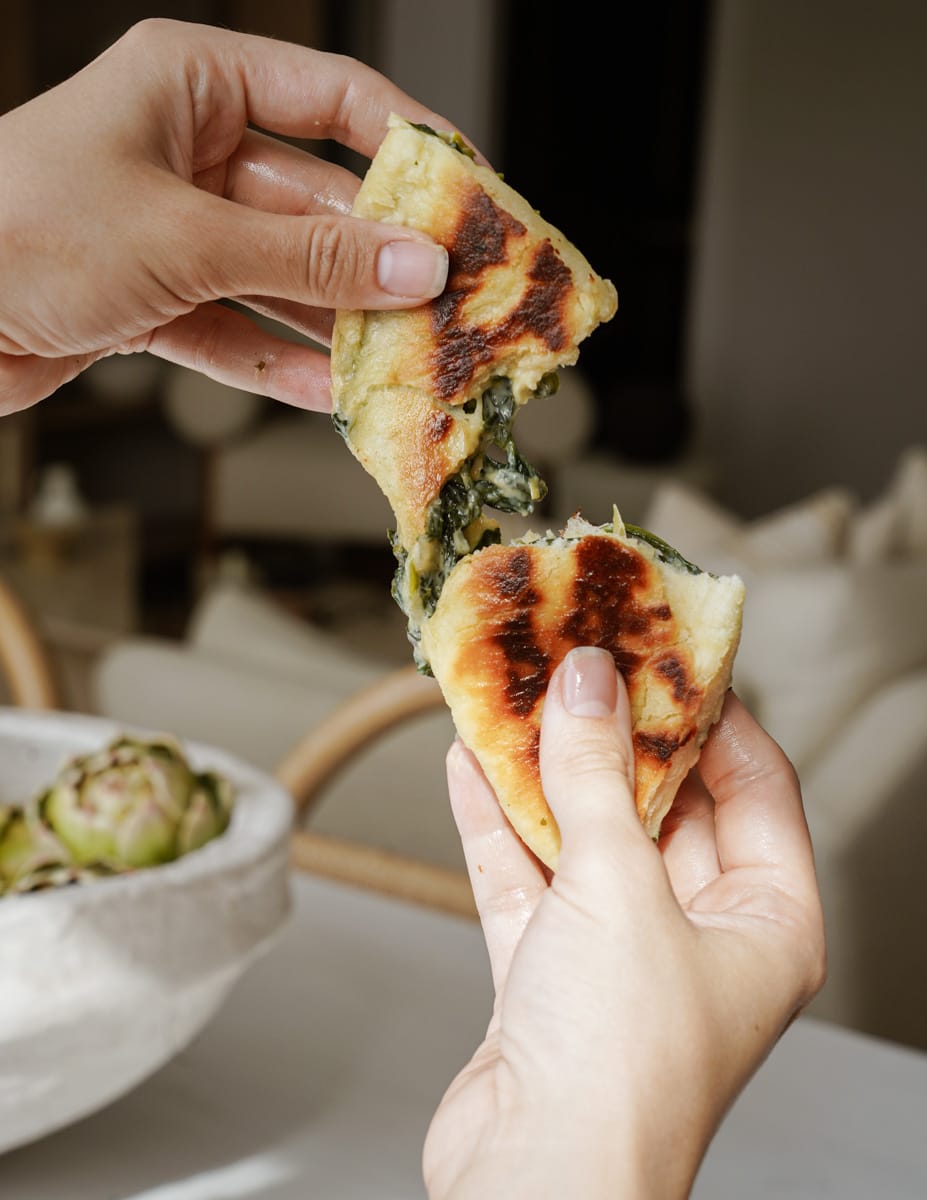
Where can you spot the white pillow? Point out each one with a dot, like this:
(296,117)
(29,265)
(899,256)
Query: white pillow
(240,624)
(806,533)
(800,534)
(909,487)
(894,525)
(817,641)
(699,528)
(876,535)
(164,685)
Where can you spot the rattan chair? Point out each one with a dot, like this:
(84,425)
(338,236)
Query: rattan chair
(24,661)
(400,695)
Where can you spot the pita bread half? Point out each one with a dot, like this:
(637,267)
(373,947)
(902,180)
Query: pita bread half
(509,614)
(425,398)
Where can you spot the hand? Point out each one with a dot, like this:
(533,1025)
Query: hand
(639,988)
(136,194)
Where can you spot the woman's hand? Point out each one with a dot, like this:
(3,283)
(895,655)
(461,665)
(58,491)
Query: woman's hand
(638,989)
(140,192)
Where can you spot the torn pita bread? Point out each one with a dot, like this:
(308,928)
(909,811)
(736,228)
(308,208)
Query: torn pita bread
(509,614)
(426,398)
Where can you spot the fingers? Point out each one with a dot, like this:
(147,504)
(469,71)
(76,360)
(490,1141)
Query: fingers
(212,339)
(274,176)
(266,219)
(687,840)
(28,378)
(587,769)
(765,853)
(228,347)
(305,93)
(507,879)
(314,323)
(759,818)
(285,88)
(231,250)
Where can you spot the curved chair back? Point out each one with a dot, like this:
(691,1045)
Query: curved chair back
(399,696)
(24,660)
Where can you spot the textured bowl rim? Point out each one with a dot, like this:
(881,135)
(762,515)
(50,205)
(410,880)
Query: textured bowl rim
(262,814)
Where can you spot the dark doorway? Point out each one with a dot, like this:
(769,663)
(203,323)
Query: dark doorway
(602,114)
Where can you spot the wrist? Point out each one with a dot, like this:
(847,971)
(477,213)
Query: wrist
(598,1164)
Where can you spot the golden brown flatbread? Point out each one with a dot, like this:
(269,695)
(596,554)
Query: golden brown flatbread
(509,614)
(426,398)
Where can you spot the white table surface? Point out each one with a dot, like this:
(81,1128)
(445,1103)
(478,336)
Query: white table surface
(320,1074)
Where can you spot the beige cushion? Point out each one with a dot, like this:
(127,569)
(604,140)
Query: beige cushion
(163,685)
(894,525)
(240,623)
(817,641)
(910,487)
(801,534)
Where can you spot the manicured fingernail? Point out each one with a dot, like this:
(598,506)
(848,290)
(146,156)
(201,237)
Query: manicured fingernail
(413,269)
(590,685)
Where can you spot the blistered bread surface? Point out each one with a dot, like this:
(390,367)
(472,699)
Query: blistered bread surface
(509,614)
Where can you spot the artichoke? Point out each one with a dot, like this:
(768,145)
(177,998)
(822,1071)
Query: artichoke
(133,804)
(29,851)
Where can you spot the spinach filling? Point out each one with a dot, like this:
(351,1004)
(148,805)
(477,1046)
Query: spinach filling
(453,524)
(454,140)
(665,552)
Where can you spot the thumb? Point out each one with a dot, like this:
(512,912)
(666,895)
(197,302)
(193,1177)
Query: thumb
(326,261)
(587,770)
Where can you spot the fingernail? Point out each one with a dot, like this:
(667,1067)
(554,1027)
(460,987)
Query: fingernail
(413,269)
(590,686)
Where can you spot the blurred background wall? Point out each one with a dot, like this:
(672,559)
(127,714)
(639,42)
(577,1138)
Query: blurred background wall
(807,356)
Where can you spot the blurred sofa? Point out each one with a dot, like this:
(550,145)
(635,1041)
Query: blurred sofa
(833,661)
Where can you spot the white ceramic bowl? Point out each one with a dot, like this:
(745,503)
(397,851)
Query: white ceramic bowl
(101,983)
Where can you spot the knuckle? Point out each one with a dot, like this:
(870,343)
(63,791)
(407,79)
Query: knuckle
(336,263)
(147,32)
(207,343)
(591,756)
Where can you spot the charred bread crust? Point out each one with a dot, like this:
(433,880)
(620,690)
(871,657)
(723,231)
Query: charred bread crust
(509,614)
(518,301)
